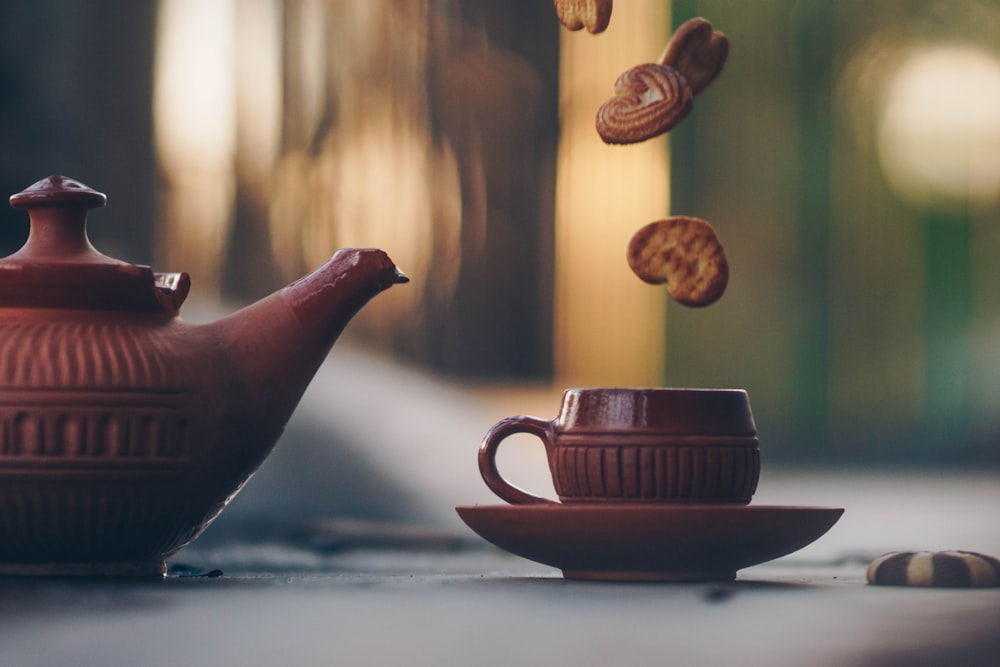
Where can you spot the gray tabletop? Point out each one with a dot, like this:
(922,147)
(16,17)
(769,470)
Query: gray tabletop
(378,593)
(475,606)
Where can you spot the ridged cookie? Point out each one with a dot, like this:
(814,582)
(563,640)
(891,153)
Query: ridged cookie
(649,100)
(684,253)
(594,15)
(697,51)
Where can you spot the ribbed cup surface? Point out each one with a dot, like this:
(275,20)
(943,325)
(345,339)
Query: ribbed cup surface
(693,473)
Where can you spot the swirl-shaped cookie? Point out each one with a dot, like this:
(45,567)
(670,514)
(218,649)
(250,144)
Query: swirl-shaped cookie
(649,100)
(686,254)
(944,569)
(697,51)
(594,15)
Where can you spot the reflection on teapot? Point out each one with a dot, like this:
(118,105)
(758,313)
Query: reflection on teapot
(123,429)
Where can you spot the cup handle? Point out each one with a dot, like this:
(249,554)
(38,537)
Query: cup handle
(488,452)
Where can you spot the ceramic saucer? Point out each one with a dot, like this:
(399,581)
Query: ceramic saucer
(632,542)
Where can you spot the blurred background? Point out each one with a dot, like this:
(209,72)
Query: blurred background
(848,157)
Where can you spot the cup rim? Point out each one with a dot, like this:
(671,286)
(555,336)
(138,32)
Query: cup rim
(655,390)
(656,409)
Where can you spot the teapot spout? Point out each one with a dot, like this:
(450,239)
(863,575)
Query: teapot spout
(326,300)
(277,344)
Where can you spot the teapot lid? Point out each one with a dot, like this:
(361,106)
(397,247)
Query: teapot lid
(59,268)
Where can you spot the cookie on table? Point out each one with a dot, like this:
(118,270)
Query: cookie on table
(943,569)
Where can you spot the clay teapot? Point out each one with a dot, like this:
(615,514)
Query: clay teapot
(124,430)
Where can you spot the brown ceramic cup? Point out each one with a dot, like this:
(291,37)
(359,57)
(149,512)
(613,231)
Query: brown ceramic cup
(639,445)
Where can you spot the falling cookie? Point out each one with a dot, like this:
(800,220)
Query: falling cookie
(594,15)
(697,51)
(684,253)
(942,569)
(649,100)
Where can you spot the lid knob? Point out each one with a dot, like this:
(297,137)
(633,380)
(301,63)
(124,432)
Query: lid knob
(58,191)
(58,207)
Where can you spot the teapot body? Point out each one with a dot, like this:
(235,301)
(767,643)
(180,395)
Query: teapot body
(111,437)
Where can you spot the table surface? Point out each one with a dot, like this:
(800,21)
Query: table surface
(357,593)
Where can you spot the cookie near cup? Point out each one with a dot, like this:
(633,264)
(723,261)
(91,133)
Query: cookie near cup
(639,446)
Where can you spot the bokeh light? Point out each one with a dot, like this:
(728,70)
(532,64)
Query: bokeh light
(939,128)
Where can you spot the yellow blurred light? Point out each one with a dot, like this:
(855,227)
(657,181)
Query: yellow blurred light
(194,96)
(610,327)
